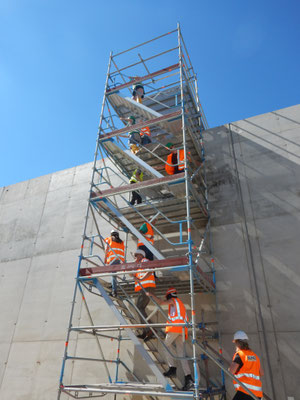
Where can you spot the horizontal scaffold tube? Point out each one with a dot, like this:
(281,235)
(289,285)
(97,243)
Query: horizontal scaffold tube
(142,78)
(137,186)
(126,267)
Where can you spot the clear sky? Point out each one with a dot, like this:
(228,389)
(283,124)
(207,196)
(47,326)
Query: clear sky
(54,54)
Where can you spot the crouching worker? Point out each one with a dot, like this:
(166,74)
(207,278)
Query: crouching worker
(177,335)
(246,367)
(147,281)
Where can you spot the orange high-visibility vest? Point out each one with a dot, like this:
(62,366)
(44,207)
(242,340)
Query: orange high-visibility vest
(180,158)
(249,374)
(169,168)
(145,131)
(147,235)
(149,282)
(114,251)
(177,314)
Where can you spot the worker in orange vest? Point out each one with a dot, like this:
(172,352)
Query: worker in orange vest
(145,135)
(176,334)
(175,160)
(246,367)
(147,230)
(143,280)
(114,254)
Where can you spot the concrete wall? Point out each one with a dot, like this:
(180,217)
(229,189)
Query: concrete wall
(254,175)
(255,215)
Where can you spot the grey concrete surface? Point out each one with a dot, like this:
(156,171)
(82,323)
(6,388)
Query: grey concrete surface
(253,176)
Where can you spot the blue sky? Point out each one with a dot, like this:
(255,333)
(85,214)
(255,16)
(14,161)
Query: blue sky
(54,54)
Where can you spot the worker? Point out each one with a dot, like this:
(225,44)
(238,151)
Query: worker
(176,334)
(114,254)
(138,91)
(145,135)
(147,230)
(136,177)
(175,160)
(134,137)
(147,281)
(246,367)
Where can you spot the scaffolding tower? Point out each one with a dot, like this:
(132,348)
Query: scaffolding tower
(172,112)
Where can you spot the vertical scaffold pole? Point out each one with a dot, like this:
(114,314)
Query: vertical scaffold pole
(65,357)
(188,218)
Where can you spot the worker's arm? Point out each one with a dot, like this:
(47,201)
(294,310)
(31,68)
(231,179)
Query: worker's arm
(233,367)
(159,301)
(261,371)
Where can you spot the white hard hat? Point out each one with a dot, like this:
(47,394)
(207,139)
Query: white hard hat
(240,335)
(140,252)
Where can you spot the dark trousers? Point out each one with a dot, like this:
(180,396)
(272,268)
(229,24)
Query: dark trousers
(148,253)
(242,396)
(135,198)
(146,140)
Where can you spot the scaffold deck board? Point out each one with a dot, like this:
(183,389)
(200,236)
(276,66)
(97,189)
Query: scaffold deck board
(171,121)
(142,389)
(166,121)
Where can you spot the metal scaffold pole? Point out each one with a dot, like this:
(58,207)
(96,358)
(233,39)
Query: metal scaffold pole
(188,218)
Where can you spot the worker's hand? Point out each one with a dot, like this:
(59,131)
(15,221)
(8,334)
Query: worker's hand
(148,294)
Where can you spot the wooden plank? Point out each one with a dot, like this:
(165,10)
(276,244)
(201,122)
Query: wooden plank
(168,262)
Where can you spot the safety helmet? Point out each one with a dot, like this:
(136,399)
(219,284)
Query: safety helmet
(171,291)
(138,251)
(240,335)
(169,145)
(114,232)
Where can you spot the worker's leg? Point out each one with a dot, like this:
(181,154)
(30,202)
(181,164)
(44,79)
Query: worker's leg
(170,338)
(180,350)
(114,279)
(141,303)
(135,198)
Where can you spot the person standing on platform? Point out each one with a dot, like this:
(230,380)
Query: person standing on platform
(147,281)
(175,160)
(147,230)
(114,254)
(176,334)
(138,90)
(246,367)
(136,177)
(145,135)
(134,137)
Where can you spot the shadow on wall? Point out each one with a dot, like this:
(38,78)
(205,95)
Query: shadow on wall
(253,175)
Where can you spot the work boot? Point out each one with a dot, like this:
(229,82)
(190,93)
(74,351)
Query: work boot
(149,336)
(171,372)
(188,383)
(142,335)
